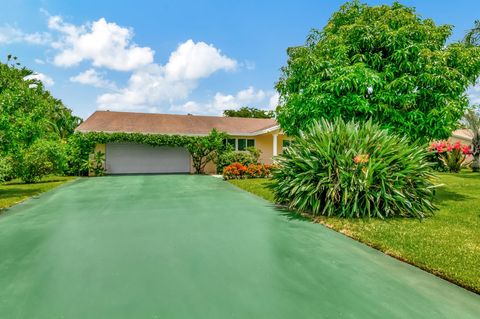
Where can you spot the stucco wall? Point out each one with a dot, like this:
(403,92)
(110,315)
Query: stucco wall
(100,148)
(265,144)
(465,141)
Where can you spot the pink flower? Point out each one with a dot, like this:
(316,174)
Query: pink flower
(466,149)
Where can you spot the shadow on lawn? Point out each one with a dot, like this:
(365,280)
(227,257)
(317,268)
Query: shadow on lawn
(17,192)
(447,195)
(54,180)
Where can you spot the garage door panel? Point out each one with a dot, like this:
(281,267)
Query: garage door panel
(130,158)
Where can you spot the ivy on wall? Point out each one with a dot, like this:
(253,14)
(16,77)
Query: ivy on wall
(202,148)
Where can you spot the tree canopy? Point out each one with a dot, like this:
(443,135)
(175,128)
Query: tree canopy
(249,112)
(383,63)
(28,111)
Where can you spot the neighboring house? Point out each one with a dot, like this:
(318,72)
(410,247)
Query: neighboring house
(463,135)
(128,158)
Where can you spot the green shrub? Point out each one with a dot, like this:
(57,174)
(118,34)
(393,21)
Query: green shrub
(41,158)
(6,169)
(96,163)
(77,153)
(354,170)
(230,157)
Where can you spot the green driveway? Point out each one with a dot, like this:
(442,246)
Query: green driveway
(177,246)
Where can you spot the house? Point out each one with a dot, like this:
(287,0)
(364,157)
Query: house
(129,158)
(463,135)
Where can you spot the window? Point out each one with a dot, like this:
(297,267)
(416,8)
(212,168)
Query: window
(240,144)
(231,142)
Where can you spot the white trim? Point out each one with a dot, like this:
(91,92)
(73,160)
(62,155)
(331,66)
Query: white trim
(275,146)
(246,143)
(267,130)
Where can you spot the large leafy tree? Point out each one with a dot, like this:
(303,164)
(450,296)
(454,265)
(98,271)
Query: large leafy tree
(249,112)
(383,63)
(29,112)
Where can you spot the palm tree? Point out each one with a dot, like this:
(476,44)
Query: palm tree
(472,122)
(473,35)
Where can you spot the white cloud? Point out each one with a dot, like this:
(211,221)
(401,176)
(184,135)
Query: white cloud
(9,34)
(274,100)
(474,94)
(103,43)
(39,61)
(192,61)
(220,102)
(146,88)
(94,78)
(46,80)
(155,84)
(247,97)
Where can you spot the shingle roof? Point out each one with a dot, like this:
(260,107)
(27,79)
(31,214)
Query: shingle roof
(108,121)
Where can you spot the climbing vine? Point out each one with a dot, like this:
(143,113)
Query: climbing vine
(202,148)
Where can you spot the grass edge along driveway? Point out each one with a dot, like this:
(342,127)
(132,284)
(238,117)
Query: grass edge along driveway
(446,244)
(14,192)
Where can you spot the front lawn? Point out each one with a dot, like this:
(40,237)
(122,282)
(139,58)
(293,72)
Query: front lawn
(15,191)
(447,244)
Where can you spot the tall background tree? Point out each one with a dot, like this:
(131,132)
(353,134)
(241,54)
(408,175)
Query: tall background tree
(249,112)
(381,62)
(473,35)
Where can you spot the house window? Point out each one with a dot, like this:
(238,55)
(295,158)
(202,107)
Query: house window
(240,144)
(231,142)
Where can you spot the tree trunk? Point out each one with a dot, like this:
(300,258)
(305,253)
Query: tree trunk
(475,166)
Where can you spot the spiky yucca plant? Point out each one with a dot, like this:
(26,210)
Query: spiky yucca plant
(354,170)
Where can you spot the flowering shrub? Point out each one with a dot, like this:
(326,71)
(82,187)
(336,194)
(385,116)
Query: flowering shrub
(451,156)
(238,170)
(234,170)
(350,169)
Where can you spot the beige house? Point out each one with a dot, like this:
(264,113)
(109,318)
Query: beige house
(463,135)
(130,158)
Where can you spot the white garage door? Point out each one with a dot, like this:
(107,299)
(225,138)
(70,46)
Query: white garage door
(130,158)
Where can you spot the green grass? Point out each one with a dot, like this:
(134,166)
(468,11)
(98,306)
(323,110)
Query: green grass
(15,191)
(446,244)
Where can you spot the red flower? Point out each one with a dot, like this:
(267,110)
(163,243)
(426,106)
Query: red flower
(466,149)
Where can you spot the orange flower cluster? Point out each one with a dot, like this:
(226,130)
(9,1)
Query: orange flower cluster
(238,170)
(361,158)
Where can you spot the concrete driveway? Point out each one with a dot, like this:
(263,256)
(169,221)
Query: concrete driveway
(178,246)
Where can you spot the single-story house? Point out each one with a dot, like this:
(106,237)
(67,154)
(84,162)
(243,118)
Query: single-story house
(128,158)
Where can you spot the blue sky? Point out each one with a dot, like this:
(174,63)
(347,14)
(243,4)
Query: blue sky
(175,56)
